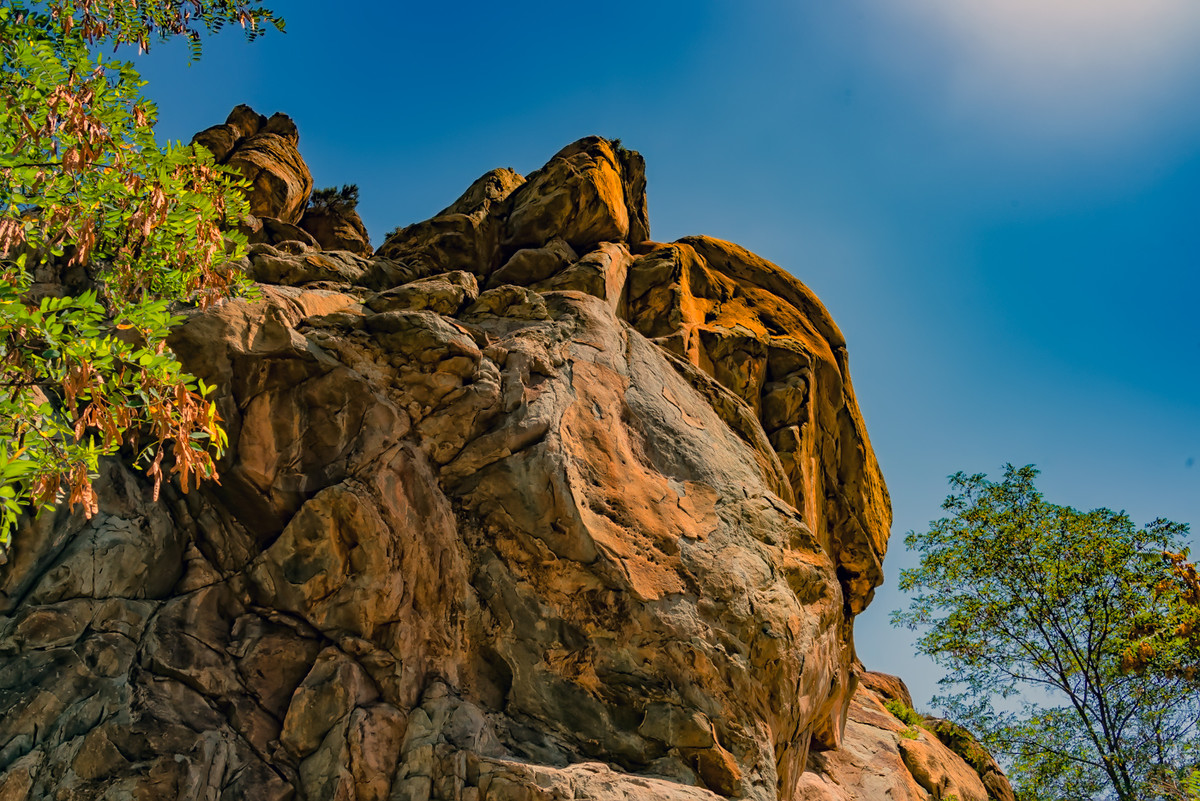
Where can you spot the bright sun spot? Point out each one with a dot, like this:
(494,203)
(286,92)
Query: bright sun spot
(1067,66)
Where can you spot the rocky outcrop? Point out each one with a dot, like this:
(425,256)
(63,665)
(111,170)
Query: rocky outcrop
(265,151)
(885,757)
(524,506)
(337,229)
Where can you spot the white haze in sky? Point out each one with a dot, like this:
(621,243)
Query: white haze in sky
(1065,68)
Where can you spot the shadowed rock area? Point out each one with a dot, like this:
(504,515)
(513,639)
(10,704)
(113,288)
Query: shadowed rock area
(523,506)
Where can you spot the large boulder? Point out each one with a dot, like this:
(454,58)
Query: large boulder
(337,229)
(592,191)
(883,756)
(265,150)
(522,507)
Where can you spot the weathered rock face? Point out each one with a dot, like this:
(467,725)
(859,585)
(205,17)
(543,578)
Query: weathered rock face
(523,507)
(337,229)
(265,151)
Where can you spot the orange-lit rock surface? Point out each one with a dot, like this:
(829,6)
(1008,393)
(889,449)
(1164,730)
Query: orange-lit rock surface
(265,151)
(522,506)
(337,229)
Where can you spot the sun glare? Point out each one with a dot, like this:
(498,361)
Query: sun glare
(1067,64)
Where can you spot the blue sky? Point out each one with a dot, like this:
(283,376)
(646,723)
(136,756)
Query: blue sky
(997,200)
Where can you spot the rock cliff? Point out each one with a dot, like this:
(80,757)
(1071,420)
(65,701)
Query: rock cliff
(524,505)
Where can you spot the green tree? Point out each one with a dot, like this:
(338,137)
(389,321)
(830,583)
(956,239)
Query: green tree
(104,234)
(1030,607)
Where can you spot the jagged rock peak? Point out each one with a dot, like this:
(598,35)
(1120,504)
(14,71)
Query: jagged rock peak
(522,506)
(266,151)
(590,192)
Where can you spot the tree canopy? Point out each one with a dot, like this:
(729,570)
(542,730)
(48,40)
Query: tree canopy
(104,235)
(1165,636)
(1034,609)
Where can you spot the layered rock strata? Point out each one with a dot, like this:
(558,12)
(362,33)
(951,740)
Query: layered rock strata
(523,506)
(265,150)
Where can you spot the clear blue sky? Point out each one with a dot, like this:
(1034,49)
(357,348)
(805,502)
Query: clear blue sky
(997,200)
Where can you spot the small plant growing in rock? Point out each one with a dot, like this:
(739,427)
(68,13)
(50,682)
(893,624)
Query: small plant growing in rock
(335,200)
(904,712)
(619,148)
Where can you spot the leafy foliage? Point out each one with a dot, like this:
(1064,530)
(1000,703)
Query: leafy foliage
(903,712)
(102,234)
(906,714)
(1165,636)
(1030,606)
(138,22)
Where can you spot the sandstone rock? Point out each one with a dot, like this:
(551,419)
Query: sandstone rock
(883,757)
(245,121)
(446,243)
(935,769)
(337,229)
(463,236)
(719,770)
(530,265)
(218,140)
(600,273)
(329,693)
(488,190)
(242,122)
(598,531)
(964,744)
(509,300)
(886,686)
(277,233)
(265,152)
(766,337)
(869,763)
(374,735)
(579,196)
(633,173)
(444,294)
(279,179)
(275,266)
